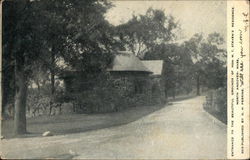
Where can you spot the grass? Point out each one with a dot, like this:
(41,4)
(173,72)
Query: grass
(74,123)
(220,116)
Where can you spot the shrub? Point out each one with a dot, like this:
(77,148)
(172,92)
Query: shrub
(221,100)
(109,96)
(216,103)
(40,102)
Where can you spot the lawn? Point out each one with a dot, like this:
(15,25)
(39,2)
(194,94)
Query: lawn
(73,123)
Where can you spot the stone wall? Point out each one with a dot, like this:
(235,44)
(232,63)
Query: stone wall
(114,92)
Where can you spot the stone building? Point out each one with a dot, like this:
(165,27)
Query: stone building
(141,78)
(157,79)
(132,82)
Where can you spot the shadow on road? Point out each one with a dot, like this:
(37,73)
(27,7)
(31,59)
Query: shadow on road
(180,98)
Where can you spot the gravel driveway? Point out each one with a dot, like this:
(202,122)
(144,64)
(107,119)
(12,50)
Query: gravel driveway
(182,130)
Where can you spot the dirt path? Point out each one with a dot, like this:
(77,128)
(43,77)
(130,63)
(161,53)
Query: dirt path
(180,131)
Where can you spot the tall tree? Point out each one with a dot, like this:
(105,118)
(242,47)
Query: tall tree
(142,33)
(41,32)
(21,40)
(205,54)
(176,67)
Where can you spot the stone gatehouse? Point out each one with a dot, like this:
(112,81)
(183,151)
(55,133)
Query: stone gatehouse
(128,82)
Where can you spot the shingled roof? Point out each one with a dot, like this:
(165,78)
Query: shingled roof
(126,61)
(154,66)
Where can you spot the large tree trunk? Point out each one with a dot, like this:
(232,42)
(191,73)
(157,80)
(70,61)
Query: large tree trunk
(8,75)
(52,79)
(52,82)
(20,103)
(52,72)
(5,96)
(198,85)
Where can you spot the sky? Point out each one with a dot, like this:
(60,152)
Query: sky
(193,16)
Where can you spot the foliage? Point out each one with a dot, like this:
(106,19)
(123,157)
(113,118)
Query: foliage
(38,36)
(87,36)
(39,33)
(216,103)
(40,101)
(209,60)
(195,62)
(112,94)
(143,32)
(177,64)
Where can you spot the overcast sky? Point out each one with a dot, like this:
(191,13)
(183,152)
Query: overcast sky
(194,16)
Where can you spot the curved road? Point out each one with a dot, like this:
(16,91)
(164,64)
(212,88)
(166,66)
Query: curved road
(179,131)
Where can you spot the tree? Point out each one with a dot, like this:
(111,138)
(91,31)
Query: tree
(208,59)
(75,31)
(20,41)
(176,67)
(8,84)
(88,37)
(142,33)
(199,59)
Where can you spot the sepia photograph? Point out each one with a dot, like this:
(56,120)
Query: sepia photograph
(113,79)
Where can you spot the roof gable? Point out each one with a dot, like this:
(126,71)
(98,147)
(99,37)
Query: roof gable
(126,61)
(155,66)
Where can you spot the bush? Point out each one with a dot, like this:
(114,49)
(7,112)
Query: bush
(216,103)
(40,102)
(110,96)
(221,100)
